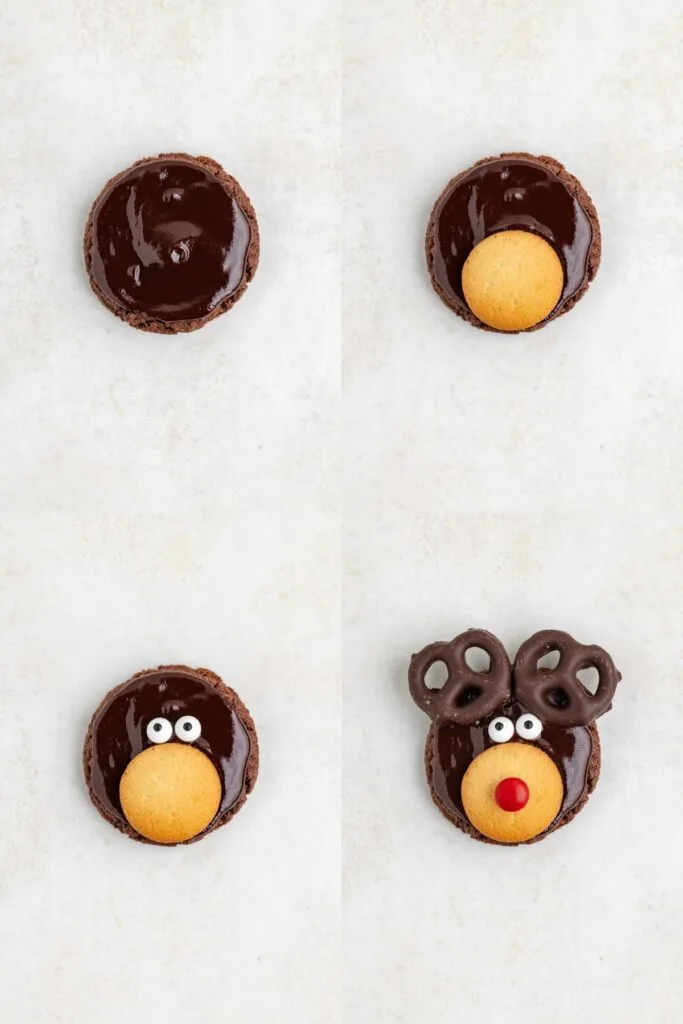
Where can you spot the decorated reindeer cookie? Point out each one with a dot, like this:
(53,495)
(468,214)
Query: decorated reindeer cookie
(513,751)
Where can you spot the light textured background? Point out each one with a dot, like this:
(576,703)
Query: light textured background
(166,499)
(514,484)
(169,499)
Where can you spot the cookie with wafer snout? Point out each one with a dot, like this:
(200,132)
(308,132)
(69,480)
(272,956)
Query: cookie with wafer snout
(513,242)
(170,755)
(513,752)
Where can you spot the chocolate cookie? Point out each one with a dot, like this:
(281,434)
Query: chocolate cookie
(512,753)
(170,755)
(170,243)
(513,291)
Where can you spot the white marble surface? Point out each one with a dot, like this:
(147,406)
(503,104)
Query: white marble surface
(514,484)
(180,499)
(169,499)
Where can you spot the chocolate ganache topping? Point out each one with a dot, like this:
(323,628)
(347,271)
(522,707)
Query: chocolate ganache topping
(169,240)
(118,731)
(455,747)
(514,191)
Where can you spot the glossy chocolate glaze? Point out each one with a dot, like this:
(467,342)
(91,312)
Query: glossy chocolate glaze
(456,746)
(119,732)
(168,240)
(504,193)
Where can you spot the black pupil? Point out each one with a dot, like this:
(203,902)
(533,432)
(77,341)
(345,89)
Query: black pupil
(528,724)
(499,726)
(187,726)
(157,726)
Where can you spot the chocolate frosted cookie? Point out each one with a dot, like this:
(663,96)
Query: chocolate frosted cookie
(512,753)
(170,243)
(170,755)
(513,242)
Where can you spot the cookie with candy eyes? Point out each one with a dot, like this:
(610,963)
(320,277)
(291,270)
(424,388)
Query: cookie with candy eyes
(513,242)
(512,753)
(170,755)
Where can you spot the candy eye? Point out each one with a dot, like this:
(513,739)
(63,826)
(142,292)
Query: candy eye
(188,728)
(159,730)
(501,730)
(529,727)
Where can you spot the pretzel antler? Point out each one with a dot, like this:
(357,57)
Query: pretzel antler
(557,695)
(467,695)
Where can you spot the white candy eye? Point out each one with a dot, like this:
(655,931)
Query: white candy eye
(188,728)
(529,727)
(501,729)
(159,730)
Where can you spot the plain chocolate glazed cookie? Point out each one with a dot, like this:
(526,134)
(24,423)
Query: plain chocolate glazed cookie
(171,243)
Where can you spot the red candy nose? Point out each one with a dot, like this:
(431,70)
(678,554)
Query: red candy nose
(512,794)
